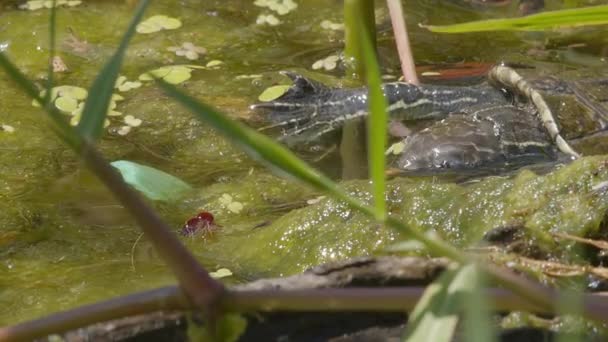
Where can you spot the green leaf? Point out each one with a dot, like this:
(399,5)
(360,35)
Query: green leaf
(153,183)
(157,23)
(596,15)
(96,106)
(52,43)
(376,125)
(436,315)
(478,323)
(272,93)
(229,327)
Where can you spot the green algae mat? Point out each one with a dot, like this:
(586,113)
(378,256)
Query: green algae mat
(64,241)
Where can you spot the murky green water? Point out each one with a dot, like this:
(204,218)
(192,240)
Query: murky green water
(64,240)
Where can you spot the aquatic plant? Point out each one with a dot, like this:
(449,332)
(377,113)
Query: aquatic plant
(576,17)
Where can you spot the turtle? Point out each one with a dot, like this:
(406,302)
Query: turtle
(503,123)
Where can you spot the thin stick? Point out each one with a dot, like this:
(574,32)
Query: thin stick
(391,299)
(396,299)
(167,298)
(408,68)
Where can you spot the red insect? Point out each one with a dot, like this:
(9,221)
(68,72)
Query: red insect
(203,223)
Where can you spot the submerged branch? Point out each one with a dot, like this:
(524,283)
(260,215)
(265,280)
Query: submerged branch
(395,299)
(166,298)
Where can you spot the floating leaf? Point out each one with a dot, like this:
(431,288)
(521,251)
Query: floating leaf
(74,92)
(272,93)
(328,63)
(267,19)
(66,104)
(281,7)
(153,183)
(123,85)
(123,130)
(221,273)
(33,5)
(188,50)
(595,15)
(174,74)
(214,63)
(157,23)
(132,121)
(396,148)
(66,98)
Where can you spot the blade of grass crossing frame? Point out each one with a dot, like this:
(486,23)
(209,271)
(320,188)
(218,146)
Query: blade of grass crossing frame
(60,126)
(52,36)
(595,15)
(100,93)
(438,311)
(478,323)
(376,125)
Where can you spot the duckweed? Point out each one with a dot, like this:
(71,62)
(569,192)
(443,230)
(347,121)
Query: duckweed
(33,5)
(273,92)
(158,23)
(188,50)
(174,74)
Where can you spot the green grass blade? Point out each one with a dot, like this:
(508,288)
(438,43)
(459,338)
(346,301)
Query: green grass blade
(100,93)
(60,126)
(478,323)
(436,315)
(52,36)
(596,15)
(358,16)
(376,126)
